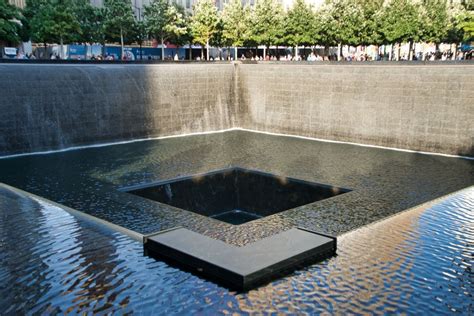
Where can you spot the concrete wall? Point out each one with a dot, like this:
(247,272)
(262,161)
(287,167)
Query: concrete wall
(45,107)
(418,107)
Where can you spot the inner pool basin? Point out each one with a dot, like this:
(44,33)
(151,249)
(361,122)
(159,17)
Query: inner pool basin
(79,227)
(236,195)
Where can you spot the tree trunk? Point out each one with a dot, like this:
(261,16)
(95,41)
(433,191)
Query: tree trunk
(121,43)
(454,51)
(190,51)
(85,51)
(141,55)
(202,52)
(61,44)
(104,51)
(45,51)
(235,53)
(390,53)
(339,51)
(162,48)
(207,49)
(399,48)
(410,50)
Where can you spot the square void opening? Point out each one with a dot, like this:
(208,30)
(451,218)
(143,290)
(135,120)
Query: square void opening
(237,195)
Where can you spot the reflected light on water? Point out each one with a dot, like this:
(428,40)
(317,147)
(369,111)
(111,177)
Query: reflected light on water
(417,262)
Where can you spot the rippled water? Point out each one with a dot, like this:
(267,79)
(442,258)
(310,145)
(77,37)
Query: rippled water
(418,262)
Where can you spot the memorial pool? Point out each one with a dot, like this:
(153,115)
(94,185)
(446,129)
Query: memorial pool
(415,261)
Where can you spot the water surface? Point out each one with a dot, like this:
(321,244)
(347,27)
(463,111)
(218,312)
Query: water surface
(418,262)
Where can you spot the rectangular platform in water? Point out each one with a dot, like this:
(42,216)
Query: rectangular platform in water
(241,268)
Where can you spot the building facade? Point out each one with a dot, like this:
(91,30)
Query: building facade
(18,3)
(138,5)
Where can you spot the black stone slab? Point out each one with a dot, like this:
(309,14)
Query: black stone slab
(236,195)
(241,268)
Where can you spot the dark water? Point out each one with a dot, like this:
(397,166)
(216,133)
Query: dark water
(236,189)
(383,182)
(236,217)
(418,262)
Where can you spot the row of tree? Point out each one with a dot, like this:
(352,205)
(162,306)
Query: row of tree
(336,23)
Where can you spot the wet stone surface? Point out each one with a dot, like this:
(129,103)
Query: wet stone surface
(383,182)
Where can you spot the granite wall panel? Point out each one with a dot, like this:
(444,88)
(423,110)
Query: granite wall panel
(412,106)
(45,107)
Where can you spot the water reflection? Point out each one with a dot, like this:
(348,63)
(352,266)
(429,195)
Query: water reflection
(418,262)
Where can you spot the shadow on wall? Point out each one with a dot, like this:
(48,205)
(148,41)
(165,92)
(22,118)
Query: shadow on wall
(190,99)
(47,107)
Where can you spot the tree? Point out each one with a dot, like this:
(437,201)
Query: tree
(468,27)
(52,21)
(10,23)
(218,40)
(186,36)
(140,35)
(323,28)
(299,24)
(164,21)
(344,23)
(370,32)
(268,27)
(235,19)
(204,23)
(119,20)
(434,15)
(401,23)
(91,22)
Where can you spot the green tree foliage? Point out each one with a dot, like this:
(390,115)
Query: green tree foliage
(323,26)
(10,23)
(434,19)
(141,35)
(119,21)
(177,27)
(466,24)
(91,22)
(300,23)
(187,36)
(268,23)
(30,12)
(461,22)
(204,23)
(52,21)
(344,23)
(370,32)
(236,24)
(218,39)
(165,21)
(401,22)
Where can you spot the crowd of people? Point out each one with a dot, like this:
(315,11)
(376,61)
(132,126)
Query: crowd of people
(311,57)
(314,57)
